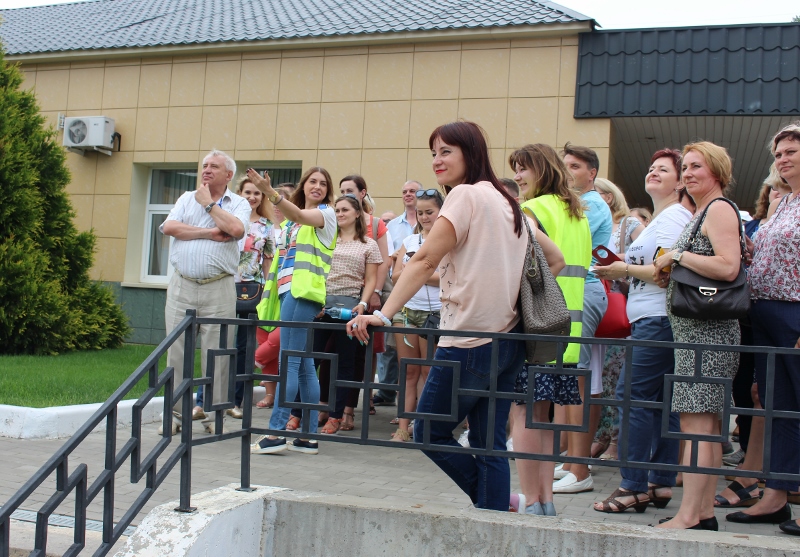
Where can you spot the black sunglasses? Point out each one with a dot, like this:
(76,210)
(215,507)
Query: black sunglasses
(428,193)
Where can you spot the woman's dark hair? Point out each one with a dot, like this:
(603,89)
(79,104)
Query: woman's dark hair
(471,139)
(551,175)
(360,229)
(675,156)
(438,198)
(361,185)
(299,196)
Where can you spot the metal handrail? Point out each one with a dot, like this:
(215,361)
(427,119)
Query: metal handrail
(145,465)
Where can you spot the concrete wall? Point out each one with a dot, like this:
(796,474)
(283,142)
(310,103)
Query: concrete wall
(276,522)
(367,109)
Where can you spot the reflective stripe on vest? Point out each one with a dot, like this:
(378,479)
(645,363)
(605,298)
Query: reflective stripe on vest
(575,271)
(314,251)
(574,239)
(312,263)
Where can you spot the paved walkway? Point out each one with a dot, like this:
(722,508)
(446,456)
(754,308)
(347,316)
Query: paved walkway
(401,476)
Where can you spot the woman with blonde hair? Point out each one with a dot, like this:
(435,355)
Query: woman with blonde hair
(775,317)
(715,252)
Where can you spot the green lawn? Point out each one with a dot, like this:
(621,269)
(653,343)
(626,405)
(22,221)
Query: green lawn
(74,378)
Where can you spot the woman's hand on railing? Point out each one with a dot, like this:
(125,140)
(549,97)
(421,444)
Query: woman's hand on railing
(357,327)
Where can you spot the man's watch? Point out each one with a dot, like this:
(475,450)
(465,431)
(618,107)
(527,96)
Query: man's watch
(676,257)
(210,206)
(379,292)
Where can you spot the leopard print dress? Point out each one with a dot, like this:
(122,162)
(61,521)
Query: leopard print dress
(701,397)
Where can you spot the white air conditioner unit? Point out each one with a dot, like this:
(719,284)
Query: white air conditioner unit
(89,133)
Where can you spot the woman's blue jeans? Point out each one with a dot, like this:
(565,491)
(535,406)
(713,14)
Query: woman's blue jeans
(300,372)
(777,323)
(645,444)
(486,480)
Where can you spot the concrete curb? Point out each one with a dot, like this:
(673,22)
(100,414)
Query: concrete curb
(272,521)
(58,422)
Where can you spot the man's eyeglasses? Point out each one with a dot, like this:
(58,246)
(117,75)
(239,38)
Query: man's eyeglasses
(428,193)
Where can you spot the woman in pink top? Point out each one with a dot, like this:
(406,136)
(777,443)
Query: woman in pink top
(480,226)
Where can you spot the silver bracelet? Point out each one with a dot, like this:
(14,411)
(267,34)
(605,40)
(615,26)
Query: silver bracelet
(386,321)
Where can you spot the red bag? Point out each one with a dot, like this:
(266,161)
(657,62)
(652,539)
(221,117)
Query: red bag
(615,322)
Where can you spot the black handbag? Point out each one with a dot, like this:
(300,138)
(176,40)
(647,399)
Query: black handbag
(248,294)
(697,297)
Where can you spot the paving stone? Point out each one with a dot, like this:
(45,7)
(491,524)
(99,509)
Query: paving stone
(396,473)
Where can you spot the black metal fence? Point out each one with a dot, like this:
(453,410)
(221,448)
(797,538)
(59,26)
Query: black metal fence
(146,466)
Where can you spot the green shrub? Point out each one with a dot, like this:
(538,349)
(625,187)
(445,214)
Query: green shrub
(48,304)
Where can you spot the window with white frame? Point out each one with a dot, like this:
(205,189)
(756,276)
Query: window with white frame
(166,186)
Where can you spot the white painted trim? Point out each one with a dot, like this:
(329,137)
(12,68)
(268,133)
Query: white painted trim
(57,422)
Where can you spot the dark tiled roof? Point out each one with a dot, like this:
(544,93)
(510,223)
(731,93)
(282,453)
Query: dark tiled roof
(749,69)
(103,24)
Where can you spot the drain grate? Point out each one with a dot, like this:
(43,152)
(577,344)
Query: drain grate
(65,521)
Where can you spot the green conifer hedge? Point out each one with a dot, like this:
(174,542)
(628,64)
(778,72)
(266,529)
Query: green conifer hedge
(48,304)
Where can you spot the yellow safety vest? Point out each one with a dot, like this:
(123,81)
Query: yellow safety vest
(312,263)
(574,239)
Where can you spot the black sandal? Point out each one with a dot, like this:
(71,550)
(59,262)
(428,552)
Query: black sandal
(746,495)
(658,502)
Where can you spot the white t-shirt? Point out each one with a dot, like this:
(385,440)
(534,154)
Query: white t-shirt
(427,298)
(646,299)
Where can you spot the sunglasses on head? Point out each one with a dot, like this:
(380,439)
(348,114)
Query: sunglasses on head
(427,193)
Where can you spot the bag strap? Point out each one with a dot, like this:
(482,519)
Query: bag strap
(699,223)
(375,225)
(425,286)
(623,230)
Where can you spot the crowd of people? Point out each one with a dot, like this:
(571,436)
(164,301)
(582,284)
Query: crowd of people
(453,260)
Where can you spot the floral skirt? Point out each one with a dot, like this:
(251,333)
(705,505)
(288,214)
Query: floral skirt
(561,389)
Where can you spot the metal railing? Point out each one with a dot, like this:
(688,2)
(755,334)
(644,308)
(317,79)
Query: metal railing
(145,466)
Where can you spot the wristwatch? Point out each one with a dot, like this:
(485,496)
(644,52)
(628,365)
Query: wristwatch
(676,257)
(210,206)
(275,198)
(379,292)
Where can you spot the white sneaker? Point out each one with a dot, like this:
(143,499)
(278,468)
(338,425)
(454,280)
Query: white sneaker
(570,484)
(463,439)
(176,424)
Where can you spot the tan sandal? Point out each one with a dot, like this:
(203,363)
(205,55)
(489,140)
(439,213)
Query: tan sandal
(266,402)
(331,426)
(348,421)
(401,435)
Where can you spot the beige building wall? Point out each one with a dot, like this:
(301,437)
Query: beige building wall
(368,110)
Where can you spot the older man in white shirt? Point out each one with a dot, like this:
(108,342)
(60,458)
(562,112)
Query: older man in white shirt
(206,224)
